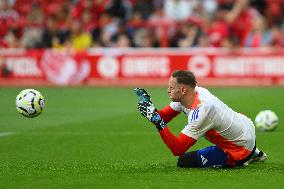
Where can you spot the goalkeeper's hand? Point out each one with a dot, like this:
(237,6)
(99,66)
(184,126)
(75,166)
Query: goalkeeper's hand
(142,95)
(148,110)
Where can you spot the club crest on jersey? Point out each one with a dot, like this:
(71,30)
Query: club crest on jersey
(194,115)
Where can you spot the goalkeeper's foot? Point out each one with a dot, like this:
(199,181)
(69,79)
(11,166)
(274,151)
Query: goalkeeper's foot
(259,156)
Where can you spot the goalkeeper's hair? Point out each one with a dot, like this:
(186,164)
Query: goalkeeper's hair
(185,77)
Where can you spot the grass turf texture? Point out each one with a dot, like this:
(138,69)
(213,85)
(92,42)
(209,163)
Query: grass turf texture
(95,138)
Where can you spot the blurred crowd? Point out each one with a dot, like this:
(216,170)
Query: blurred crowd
(82,24)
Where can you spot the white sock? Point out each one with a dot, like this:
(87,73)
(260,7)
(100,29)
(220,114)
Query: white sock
(256,152)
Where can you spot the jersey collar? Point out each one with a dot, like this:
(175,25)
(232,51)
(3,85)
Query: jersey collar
(196,101)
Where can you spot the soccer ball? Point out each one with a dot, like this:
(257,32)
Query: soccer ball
(29,103)
(266,120)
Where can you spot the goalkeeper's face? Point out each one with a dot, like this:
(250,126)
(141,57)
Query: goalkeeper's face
(175,90)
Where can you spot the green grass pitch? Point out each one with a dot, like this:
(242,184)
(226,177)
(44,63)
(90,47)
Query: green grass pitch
(95,138)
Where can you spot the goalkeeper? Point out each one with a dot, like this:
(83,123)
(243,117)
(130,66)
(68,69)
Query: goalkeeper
(232,133)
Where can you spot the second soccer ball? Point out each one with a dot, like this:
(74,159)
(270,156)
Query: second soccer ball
(266,120)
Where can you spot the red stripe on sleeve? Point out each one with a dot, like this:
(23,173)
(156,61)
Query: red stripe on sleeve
(167,113)
(178,145)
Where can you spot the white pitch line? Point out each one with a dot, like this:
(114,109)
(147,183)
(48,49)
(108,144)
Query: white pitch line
(6,134)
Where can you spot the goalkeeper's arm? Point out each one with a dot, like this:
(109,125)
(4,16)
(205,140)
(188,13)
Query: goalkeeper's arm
(167,113)
(178,145)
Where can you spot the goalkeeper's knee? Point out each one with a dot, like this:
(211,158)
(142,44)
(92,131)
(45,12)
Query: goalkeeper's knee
(188,160)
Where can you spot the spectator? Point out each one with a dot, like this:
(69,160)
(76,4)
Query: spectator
(216,28)
(80,40)
(231,42)
(123,41)
(274,12)
(63,24)
(143,23)
(144,38)
(33,32)
(275,37)
(179,10)
(88,22)
(237,15)
(9,18)
(121,9)
(95,7)
(255,37)
(209,6)
(164,27)
(50,33)
(135,23)
(203,41)
(121,32)
(145,8)
(11,39)
(105,39)
(108,27)
(187,36)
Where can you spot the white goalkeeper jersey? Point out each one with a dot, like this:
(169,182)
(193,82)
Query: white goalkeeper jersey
(210,117)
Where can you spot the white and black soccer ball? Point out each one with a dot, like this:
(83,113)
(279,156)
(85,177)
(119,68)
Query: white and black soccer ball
(30,103)
(266,120)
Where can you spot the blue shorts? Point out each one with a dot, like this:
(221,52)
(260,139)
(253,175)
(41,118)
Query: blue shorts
(213,156)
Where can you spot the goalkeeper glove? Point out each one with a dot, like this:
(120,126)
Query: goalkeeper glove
(142,95)
(148,110)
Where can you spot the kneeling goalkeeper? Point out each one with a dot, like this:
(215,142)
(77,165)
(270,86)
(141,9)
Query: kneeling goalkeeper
(232,133)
